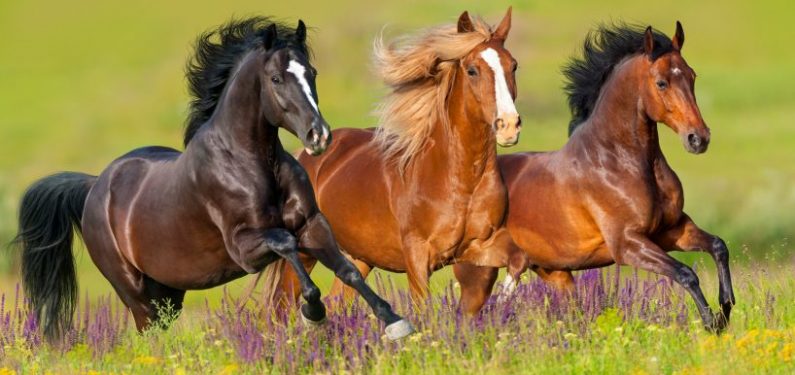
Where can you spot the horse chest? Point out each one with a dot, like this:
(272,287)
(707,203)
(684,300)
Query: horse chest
(472,217)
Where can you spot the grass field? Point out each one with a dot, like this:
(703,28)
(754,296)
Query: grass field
(611,324)
(81,83)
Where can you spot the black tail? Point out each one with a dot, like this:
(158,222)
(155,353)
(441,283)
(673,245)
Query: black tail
(49,211)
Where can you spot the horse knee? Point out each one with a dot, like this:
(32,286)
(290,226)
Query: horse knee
(281,241)
(719,250)
(686,277)
(350,275)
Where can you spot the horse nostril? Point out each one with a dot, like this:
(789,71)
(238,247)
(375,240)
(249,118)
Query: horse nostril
(694,140)
(518,122)
(312,136)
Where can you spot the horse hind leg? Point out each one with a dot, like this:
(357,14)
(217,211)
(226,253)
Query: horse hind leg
(136,290)
(142,295)
(164,302)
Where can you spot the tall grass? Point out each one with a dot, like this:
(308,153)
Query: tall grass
(612,323)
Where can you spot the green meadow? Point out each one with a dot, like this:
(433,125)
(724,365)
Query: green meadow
(84,82)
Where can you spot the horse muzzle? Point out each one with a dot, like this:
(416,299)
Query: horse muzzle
(318,138)
(507,129)
(696,142)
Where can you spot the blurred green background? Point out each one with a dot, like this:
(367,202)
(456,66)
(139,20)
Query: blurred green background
(83,82)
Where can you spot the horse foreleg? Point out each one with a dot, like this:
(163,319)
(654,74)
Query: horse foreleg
(285,244)
(255,249)
(687,236)
(417,254)
(518,263)
(288,287)
(317,240)
(639,251)
(476,284)
(343,293)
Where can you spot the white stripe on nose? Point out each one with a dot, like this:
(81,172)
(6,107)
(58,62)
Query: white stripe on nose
(505,104)
(299,72)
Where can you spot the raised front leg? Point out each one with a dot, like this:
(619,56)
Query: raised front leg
(637,250)
(317,240)
(687,236)
(344,293)
(258,248)
(287,284)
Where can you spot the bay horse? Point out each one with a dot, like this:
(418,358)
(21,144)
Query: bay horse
(158,222)
(423,189)
(609,196)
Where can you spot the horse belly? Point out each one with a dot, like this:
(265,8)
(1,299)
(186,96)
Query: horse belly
(553,233)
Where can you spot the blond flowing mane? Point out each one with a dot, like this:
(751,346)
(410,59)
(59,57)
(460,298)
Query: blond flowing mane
(419,70)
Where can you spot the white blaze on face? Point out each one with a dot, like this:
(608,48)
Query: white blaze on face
(299,72)
(505,104)
(676,71)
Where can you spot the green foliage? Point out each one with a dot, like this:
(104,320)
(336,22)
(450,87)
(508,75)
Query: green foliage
(760,340)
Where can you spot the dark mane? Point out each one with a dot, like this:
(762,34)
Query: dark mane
(217,53)
(602,50)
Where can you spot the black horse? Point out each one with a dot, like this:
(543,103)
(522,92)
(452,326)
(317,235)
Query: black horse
(158,222)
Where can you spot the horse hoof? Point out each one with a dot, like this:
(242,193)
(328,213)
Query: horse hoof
(313,323)
(717,324)
(720,322)
(399,330)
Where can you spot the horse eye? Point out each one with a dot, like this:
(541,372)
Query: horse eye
(662,85)
(515,66)
(472,71)
(276,79)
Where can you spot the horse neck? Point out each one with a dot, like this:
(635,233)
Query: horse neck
(464,145)
(239,124)
(618,121)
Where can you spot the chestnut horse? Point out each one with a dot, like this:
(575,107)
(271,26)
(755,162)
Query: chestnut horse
(423,190)
(158,222)
(608,196)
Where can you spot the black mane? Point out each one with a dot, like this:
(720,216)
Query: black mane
(602,50)
(217,53)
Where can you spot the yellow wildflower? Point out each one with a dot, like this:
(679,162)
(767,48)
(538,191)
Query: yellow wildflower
(229,369)
(146,360)
(786,352)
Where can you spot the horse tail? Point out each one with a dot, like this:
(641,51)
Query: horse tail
(49,212)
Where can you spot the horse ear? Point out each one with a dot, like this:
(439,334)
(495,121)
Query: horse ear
(504,27)
(648,42)
(679,37)
(300,32)
(465,23)
(271,33)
